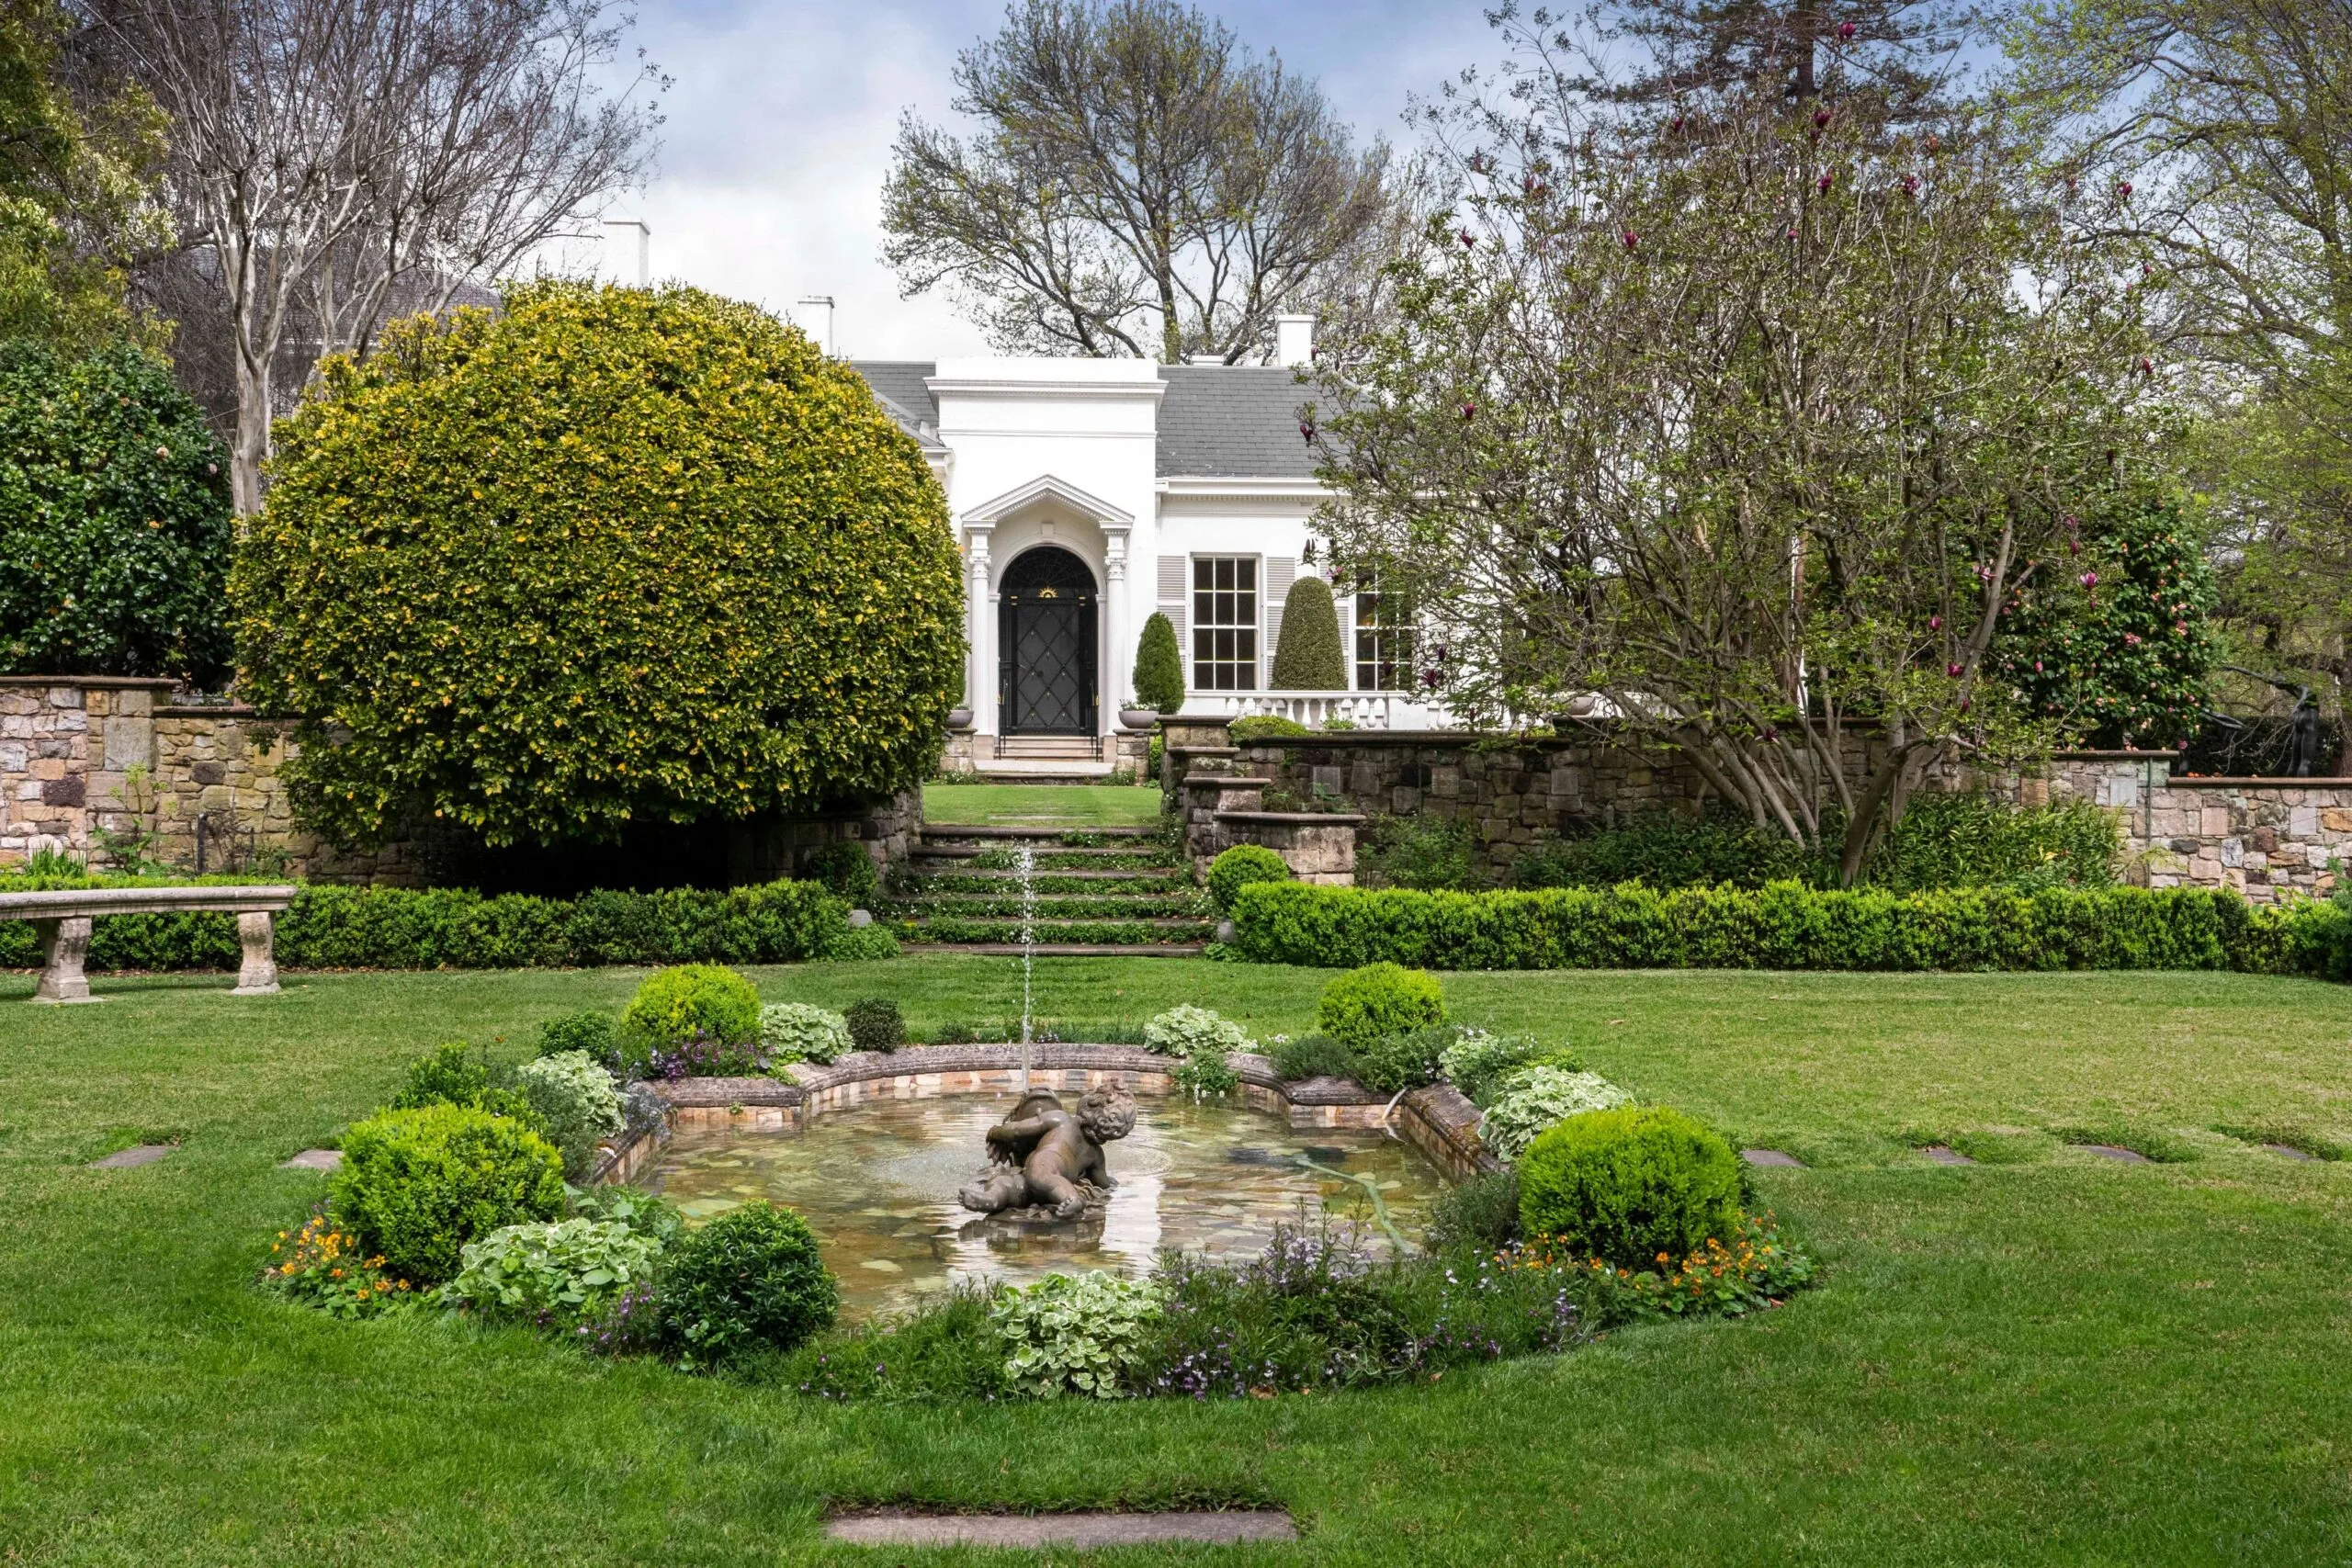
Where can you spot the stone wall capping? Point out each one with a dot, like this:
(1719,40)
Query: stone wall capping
(1309,819)
(91,682)
(2203,781)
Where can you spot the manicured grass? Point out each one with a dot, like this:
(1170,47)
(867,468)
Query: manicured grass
(1040,805)
(2056,1360)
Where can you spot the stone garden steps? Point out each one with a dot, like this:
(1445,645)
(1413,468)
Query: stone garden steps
(1114,892)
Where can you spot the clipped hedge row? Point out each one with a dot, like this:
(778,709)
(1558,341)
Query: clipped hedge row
(446,928)
(1787,926)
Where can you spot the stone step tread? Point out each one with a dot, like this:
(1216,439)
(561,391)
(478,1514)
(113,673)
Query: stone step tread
(935,831)
(1069,949)
(1167,922)
(1163,875)
(1093,852)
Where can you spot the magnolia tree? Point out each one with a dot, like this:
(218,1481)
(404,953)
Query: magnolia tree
(1747,418)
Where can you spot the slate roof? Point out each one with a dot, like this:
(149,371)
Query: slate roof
(1215,422)
(899,384)
(1232,422)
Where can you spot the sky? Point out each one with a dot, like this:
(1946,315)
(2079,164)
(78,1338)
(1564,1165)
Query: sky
(781,113)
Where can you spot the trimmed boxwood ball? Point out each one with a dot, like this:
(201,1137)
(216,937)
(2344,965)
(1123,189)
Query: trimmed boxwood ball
(1159,666)
(1626,1185)
(603,556)
(675,1004)
(875,1024)
(1240,866)
(416,1186)
(847,872)
(1306,654)
(1380,999)
(750,1279)
(1263,727)
(114,520)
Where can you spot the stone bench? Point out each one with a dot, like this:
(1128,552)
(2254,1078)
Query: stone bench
(64,920)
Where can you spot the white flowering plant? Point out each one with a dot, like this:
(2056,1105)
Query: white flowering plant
(1534,1096)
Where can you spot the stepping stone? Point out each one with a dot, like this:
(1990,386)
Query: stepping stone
(132,1158)
(1771,1157)
(1943,1154)
(1082,1530)
(2112,1151)
(315,1159)
(2290,1151)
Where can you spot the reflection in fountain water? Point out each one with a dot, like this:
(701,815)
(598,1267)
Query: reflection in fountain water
(878,1184)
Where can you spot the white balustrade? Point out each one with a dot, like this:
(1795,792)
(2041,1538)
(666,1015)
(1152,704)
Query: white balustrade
(1317,710)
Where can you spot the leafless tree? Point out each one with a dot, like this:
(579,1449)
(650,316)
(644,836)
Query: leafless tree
(1141,184)
(335,158)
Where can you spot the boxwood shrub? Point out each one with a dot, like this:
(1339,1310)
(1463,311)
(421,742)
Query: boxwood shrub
(1379,999)
(418,1185)
(1240,866)
(448,928)
(1629,1184)
(750,1279)
(1787,926)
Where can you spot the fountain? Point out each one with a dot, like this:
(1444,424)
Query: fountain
(1048,1161)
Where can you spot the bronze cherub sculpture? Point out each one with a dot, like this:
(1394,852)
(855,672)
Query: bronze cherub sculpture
(1049,1157)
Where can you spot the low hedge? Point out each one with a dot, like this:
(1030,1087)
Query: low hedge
(446,928)
(1787,926)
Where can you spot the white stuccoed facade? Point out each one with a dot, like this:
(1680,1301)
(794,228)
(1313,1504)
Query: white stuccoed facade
(1128,488)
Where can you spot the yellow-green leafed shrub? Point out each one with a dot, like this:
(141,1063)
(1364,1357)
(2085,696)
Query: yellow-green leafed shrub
(706,1005)
(1626,1185)
(1380,999)
(605,556)
(416,1186)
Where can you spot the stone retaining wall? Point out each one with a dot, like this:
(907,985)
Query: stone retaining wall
(82,756)
(1438,1121)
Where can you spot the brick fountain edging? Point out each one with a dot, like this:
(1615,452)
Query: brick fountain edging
(1438,1121)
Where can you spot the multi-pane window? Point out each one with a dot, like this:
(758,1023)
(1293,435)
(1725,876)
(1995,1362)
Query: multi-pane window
(1224,623)
(1384,638)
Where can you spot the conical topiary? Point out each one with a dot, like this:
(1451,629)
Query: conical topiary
(1307,658)
(1159,667)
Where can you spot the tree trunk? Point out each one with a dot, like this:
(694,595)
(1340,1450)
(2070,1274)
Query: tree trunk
(252,448)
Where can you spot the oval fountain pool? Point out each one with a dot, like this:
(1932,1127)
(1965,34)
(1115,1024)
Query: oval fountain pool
(877,1183)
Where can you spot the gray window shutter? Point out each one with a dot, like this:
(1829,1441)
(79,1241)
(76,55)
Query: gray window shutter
(1172,592)
(1347,609)
(1281,571)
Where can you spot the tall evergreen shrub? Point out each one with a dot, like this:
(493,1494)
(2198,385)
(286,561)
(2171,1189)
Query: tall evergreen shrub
(1307,658)
(1159,666)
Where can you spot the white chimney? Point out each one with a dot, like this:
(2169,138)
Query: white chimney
(1293,340)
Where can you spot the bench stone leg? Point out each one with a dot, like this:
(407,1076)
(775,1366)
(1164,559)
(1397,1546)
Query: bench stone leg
(258,975)
(64,943)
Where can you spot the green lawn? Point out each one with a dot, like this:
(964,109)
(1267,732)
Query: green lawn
(2059,1360)
(1040,805)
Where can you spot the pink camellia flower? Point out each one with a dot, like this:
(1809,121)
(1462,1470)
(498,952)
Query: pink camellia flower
(1983,574)
(1846,30)
(2037,666)
(2147,269)
(2123,189)
(2090,579)
(1792,231)
(1825,182)
(2180,628)
(2073,547)
(2132,640)
(1677,123)
(1467,239)
(1911,185)
(1469,411)
(1306,431)
(1952,671)
(1935,622)
(2147,365)
(1966,703)
(1771,732)
(1821,119)
(165,452)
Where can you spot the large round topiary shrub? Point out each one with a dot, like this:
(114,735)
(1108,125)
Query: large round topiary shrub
(1238,867)
(748,1280)
(114,520)
(1380,999)
(604,556)
(416,1186)
(1629,1184)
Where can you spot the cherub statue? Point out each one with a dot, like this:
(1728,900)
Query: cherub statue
(1051,1158)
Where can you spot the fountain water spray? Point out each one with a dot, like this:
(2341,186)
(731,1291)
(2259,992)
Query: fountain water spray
(1027,864)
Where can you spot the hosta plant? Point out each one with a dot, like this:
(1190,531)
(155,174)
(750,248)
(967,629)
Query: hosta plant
(1534,1098)
(1181,1031)
(802,1032)
(557,1273)
(1083,1334)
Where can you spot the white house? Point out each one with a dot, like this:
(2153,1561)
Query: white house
(1088,494)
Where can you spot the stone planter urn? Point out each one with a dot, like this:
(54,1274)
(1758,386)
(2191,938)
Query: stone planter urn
(1139,718)
(959,718)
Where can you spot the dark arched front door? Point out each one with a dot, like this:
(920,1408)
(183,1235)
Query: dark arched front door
(1045,645)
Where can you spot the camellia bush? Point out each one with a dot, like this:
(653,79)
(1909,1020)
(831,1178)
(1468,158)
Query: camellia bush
(604,556)
(114,520)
